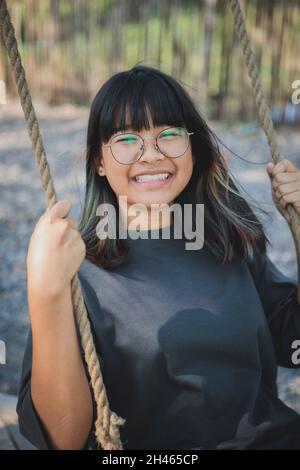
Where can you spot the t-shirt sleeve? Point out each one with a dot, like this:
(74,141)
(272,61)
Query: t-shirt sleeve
(278,294)
(30,424)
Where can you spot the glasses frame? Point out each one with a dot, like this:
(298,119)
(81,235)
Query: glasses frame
(149,138)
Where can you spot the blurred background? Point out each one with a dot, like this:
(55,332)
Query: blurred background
(69,48)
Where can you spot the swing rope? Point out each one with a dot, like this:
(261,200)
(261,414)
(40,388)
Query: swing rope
(261,103)
(107,422)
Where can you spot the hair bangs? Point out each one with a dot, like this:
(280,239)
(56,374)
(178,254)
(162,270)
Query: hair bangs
(140,102)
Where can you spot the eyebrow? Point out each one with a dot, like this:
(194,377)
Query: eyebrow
(127,127)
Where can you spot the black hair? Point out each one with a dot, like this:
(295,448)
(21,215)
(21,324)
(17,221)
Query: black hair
(231,227)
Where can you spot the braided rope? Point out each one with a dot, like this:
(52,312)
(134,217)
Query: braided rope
(261,103)
(107,422)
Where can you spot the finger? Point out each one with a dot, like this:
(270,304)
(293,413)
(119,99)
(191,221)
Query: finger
(60,209)
(281,178)
(286,188)
(284,165)
(277,198)
(73,223)
(269,168)
(290,198)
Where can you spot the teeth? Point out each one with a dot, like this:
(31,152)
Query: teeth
(160,176)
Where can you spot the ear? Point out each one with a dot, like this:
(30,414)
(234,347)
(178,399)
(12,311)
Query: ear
(100,169)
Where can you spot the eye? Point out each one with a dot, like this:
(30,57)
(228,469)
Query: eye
(173,132)
(126,139)
(167,134)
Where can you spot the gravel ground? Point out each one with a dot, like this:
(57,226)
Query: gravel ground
(22,201)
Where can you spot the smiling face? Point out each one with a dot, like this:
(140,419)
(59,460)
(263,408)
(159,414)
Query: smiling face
(122,178)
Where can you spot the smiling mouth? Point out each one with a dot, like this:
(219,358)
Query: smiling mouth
(152,178)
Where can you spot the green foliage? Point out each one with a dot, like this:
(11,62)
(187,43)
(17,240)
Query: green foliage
(80,43)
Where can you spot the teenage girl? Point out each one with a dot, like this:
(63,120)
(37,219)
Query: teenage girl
(189,340)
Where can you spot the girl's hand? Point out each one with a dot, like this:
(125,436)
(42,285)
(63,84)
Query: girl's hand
(285,181)
(55,251)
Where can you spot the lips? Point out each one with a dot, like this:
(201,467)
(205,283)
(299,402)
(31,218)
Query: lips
(152,177)
(154,181)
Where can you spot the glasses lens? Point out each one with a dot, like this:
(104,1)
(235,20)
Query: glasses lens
(173,142)
(126,148)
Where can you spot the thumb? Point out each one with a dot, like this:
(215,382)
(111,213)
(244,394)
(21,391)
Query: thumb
(60,209)
(269,168)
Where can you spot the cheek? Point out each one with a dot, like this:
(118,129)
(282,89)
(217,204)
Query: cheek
(118,178)
(119,184)
(185,170)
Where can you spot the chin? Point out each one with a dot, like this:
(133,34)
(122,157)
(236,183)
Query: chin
(151,199)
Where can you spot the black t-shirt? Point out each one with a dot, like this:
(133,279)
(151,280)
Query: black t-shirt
(188,348)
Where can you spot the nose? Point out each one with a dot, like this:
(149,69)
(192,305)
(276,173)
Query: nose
(148,153)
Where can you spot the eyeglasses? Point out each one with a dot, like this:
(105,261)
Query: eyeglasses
(128,148)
